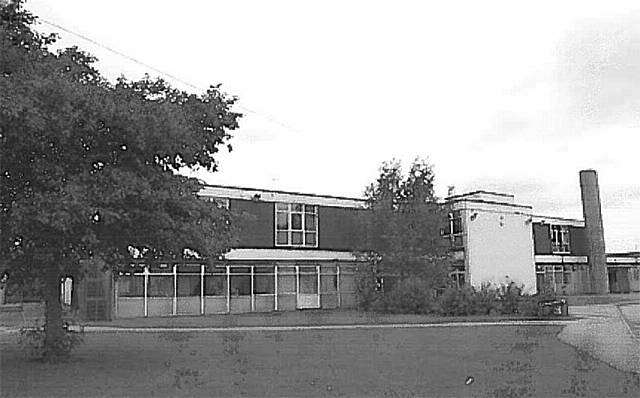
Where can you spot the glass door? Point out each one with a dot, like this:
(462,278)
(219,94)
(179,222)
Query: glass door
(308,287)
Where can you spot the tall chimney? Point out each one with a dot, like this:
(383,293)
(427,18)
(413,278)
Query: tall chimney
(594,231)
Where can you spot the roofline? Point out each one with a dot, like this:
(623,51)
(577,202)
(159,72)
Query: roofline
(284,192)
(491,202)
(508,195)
(551,218)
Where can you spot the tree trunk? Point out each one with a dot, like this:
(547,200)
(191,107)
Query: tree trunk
(54,333)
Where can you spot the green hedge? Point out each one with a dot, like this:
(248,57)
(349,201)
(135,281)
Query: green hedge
(415,295)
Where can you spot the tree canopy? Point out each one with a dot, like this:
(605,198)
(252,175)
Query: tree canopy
(88,167)
(402,228)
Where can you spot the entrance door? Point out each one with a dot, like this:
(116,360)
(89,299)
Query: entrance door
(308,287)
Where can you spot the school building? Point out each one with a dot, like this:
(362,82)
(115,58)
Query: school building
(296,251)
(494,239)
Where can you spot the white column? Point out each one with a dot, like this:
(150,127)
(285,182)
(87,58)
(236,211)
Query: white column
(318,273)
(201,289)
(175,289)
(275,288)
(146,290)
(297,284)
(338,285)
(115,295)
(253,297)
(228,291)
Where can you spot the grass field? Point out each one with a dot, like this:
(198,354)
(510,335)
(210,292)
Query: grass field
(503,362)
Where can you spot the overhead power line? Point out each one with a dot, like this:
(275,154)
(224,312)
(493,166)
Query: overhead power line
(159,71)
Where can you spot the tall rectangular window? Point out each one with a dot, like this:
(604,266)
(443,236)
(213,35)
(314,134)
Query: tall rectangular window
(560,239)
(296,225)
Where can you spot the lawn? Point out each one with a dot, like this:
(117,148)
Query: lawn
(504,361)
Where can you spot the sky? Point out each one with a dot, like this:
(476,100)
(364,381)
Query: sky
(515,97)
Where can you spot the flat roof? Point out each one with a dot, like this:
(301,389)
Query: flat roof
(285,192)
(277,196)
(480,191)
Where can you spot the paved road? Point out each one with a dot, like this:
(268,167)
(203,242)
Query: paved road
(606,334)
(631,313)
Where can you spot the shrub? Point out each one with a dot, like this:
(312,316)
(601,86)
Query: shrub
(410,296)
(509,297)
(456,301)
(368,296)
(486,300)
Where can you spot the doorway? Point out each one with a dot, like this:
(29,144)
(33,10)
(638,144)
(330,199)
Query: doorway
(308,287)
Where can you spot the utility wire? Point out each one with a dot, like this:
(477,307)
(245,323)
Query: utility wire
(161,72)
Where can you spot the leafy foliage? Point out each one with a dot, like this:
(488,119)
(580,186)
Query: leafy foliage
(401,231)
(493,300)
(89,168)
(401,236)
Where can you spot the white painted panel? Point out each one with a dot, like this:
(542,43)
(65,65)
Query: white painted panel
(500,247)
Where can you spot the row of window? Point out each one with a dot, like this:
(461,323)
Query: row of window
(216,285)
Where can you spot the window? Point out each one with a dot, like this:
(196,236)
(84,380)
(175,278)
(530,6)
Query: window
(263,280)
(296,225)
(456,222)
(131,286)
(240,281)
(559,239)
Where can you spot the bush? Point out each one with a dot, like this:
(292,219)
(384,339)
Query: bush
(415,295)
(31,341)
(456,301)
(410,296)
(368,296)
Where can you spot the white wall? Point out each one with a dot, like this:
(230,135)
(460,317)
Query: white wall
(499,245)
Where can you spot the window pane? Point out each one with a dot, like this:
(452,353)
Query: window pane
(310,239)
(160,286)
(263,270)
(216,270)
(308,284)
(263,284)
(329,283)
(310,222)
(286,283)
(215,285)
(188,286)
(296,207)
(283,220)
(240,285)
(131,286)
(240,270)
(282,238)
(310,209)
(282,207)
(296,221)
(296,238)
(284,269)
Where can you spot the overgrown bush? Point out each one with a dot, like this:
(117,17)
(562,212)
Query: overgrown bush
(369,296)
(414,295)
(410,296)
(32,342)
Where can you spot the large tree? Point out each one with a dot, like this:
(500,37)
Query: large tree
(402,229)
(88,167)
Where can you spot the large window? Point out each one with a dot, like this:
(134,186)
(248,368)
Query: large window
(560,239)
(296,225)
